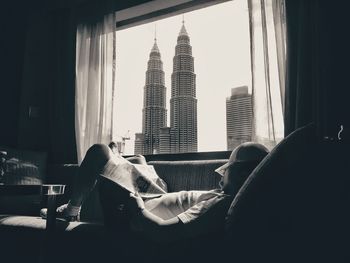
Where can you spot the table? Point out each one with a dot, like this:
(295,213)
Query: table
(51,190)
(9,189)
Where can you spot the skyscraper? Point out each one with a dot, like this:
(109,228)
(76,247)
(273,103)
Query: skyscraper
(154,113)
(239,114)
(183,102)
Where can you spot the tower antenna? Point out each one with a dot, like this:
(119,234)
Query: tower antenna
(155,32)
(183,19)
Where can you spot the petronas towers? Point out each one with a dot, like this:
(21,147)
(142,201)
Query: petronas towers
(181,136)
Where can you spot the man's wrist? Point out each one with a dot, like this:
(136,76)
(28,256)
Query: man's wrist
(140,211)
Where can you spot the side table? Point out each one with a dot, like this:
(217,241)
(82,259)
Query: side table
(50,190)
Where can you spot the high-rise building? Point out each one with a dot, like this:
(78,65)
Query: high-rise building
(139,142)
(239,114)
(165,140)
(154,113)
(183,102)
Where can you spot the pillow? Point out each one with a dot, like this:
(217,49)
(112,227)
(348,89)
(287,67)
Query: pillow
(24,166)
(274,204)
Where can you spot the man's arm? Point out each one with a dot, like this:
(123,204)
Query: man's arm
(153,226)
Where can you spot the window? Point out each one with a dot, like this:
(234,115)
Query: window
(184,82)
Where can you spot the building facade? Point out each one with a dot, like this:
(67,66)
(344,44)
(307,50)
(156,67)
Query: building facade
(181,136)
(154,113)
(239,114)
(183,101)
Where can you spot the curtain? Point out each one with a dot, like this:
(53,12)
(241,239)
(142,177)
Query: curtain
(61,93)
(303,93)
(317,70)
(95,82)
(268,45)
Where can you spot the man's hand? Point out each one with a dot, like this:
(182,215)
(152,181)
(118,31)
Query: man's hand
(136,203)
(151,225)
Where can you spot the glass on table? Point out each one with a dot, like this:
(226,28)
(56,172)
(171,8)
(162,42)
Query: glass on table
(53,189)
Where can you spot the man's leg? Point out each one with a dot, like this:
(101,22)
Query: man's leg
(94,161)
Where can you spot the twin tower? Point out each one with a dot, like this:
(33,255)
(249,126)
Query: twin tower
(181,136)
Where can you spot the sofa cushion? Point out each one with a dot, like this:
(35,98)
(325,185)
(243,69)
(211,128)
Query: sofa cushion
(23,239)
(38,224)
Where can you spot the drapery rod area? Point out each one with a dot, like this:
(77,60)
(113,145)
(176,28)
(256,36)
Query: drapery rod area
(148,14)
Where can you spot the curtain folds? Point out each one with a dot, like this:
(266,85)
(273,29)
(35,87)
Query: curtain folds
(317,70)
(268,59)
(303,91)
(95,83)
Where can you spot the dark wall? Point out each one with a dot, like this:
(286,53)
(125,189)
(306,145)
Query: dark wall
(12,45)
(33,113)
(48,86)
(335,59)
(37,83)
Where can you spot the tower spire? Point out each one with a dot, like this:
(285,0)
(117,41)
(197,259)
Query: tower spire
(155,46)
(155,32)
(183,29)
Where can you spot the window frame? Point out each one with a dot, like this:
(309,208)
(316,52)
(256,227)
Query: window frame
(158,9)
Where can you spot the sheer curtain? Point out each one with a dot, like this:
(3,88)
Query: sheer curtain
(267,33)
(95,83)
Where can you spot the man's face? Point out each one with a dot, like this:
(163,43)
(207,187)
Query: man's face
(234,176)
(225,182)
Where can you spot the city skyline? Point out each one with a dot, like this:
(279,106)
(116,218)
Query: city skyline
(220,37)
(181,136)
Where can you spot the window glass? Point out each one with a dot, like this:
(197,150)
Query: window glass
(184,82)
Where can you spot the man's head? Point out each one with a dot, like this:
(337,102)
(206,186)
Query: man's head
(114,147)
(243,160)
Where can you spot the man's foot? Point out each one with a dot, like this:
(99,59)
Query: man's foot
(62,213)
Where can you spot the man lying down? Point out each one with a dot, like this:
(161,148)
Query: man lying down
(162,216)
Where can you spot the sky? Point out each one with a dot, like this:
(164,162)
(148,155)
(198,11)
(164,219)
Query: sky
(219,36)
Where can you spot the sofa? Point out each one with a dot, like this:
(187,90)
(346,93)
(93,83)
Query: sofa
(21,229)
(292,208)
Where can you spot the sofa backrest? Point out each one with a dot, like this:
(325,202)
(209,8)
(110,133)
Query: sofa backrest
(189,175)
(294,203)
